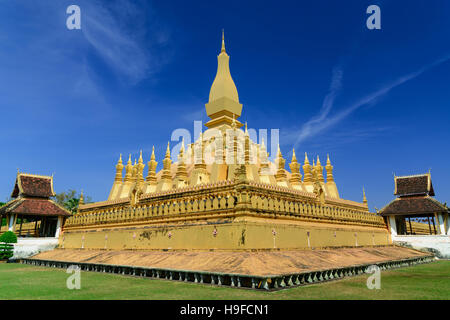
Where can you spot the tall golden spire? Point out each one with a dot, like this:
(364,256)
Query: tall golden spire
(223,96)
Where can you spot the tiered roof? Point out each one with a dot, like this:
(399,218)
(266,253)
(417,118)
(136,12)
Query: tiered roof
(32,197)
(414,197)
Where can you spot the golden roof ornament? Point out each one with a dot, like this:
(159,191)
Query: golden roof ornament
(119,169)
(152,164)
(307,170)
(296,177)
(329,169)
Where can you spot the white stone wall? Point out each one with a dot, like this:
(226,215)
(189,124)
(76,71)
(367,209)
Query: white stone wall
(27,247)
(439,244)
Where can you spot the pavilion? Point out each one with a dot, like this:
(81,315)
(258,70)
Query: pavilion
(31,202)
(415,201)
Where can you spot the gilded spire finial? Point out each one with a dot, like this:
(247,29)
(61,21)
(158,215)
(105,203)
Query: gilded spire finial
(140,157)
(306,158)
(129,159)
(81,201)
(168,150)
(364,196)
(152,157)
(294,158)
(223,41)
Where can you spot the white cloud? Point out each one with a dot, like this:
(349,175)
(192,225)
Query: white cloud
(323,121)
(118,34)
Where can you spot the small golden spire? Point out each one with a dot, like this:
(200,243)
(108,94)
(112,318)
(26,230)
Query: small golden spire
(152,157)
(307,170)
(329,169)
(81,201)
(152,164)
(281,173)
(168,150)
(294,158)
(318,161)
(129,160)
(119,168)
(296,177)
(306,158)
(364,196)
(181,153)
(140,157)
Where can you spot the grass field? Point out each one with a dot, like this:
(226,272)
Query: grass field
(428,281)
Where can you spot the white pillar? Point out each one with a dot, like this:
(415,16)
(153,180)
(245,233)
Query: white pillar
(392,225)
(440,220)
(58,227)
(447,218)
(12,219)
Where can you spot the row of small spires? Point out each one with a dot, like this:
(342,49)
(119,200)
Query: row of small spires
(136,170)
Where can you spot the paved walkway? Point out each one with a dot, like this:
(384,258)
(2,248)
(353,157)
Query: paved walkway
(251,263)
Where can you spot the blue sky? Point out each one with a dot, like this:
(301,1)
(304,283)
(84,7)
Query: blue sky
(376,100)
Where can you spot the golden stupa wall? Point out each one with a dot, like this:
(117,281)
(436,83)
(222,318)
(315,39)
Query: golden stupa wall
(225,216)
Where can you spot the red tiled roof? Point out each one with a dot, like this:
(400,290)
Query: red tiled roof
(413,206)
(413,185)
(32,206)
(33,186)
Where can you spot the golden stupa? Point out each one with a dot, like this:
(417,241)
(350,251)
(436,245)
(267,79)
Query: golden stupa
(223,192)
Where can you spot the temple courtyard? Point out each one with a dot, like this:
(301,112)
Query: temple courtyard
(20,281)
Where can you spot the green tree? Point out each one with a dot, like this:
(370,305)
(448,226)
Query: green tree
(70,200)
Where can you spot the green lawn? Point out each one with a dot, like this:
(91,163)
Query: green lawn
(428,281)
